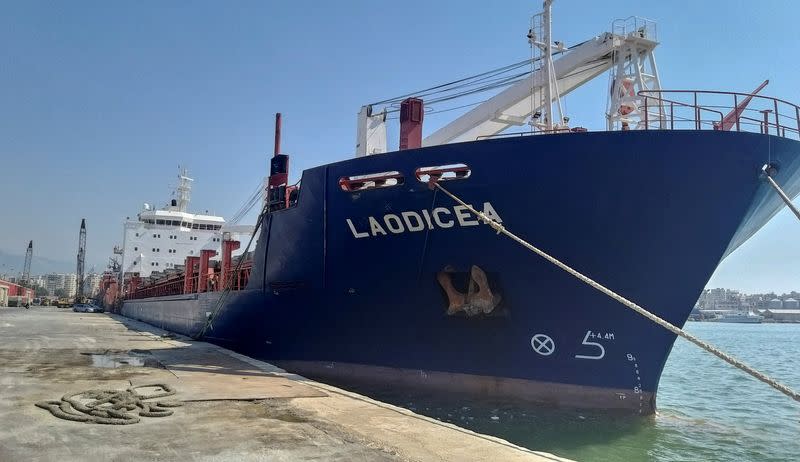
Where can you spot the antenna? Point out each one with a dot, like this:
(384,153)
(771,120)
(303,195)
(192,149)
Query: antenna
(183,190)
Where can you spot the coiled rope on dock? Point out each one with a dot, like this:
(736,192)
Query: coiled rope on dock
(112,407)
(624,301)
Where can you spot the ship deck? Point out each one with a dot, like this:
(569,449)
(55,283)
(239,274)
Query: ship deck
(234,407)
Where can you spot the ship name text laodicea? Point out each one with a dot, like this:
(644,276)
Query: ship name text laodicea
(411,221)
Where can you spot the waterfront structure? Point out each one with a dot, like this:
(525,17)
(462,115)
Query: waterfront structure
(782,315)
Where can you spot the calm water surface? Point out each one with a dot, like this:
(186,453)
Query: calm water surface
(707,410)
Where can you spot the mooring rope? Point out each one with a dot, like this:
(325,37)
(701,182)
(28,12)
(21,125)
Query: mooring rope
(112,407)
(768,172)
(633,306)
(229,283)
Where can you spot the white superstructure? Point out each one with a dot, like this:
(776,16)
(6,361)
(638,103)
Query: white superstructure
(160,240)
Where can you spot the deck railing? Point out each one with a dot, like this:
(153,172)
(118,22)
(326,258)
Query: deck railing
(175,284)
(702,110)
(719,110)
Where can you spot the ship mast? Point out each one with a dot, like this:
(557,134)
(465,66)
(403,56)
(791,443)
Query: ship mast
(184,190)
(540,38)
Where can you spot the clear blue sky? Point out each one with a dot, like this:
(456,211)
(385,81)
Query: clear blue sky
(100,101)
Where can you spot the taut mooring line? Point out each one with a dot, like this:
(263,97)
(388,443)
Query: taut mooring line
(633,306)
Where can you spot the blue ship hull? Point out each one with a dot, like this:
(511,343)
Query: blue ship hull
(647,214)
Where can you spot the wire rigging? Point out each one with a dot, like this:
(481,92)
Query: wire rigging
(248,205)
(485,81)
(506,68)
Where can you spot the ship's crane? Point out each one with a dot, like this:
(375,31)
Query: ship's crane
(26,269)
(627,52)
(81,261)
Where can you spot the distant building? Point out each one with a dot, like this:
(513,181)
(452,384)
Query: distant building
(66,282)
(783,315)
(39,281)
(14,295)
(53,282)
(71,284)
(775,304)
(91,284)
(724,299)
(791,304)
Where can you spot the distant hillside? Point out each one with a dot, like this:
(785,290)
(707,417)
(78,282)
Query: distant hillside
(39,265)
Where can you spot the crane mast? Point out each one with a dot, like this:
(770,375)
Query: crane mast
(81,261)
(626,53)
(26,270)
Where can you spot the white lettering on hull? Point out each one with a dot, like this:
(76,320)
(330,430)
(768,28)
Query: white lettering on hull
(412,221)
(438,219)
(376,227)
(418,226)
(356,234)
(393,223)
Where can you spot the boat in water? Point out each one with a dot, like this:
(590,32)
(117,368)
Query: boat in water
(741,317)
(363,272)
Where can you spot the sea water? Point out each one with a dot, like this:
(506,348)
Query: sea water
(707,410)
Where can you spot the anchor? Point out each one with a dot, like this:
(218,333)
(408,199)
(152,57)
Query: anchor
(479,297)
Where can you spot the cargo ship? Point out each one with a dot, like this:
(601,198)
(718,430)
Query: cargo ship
(364,272)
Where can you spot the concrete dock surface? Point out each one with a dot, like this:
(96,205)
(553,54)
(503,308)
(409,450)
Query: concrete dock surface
(233,407)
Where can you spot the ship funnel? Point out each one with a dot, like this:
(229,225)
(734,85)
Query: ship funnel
(277,133)
(411,115)
(278,173)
